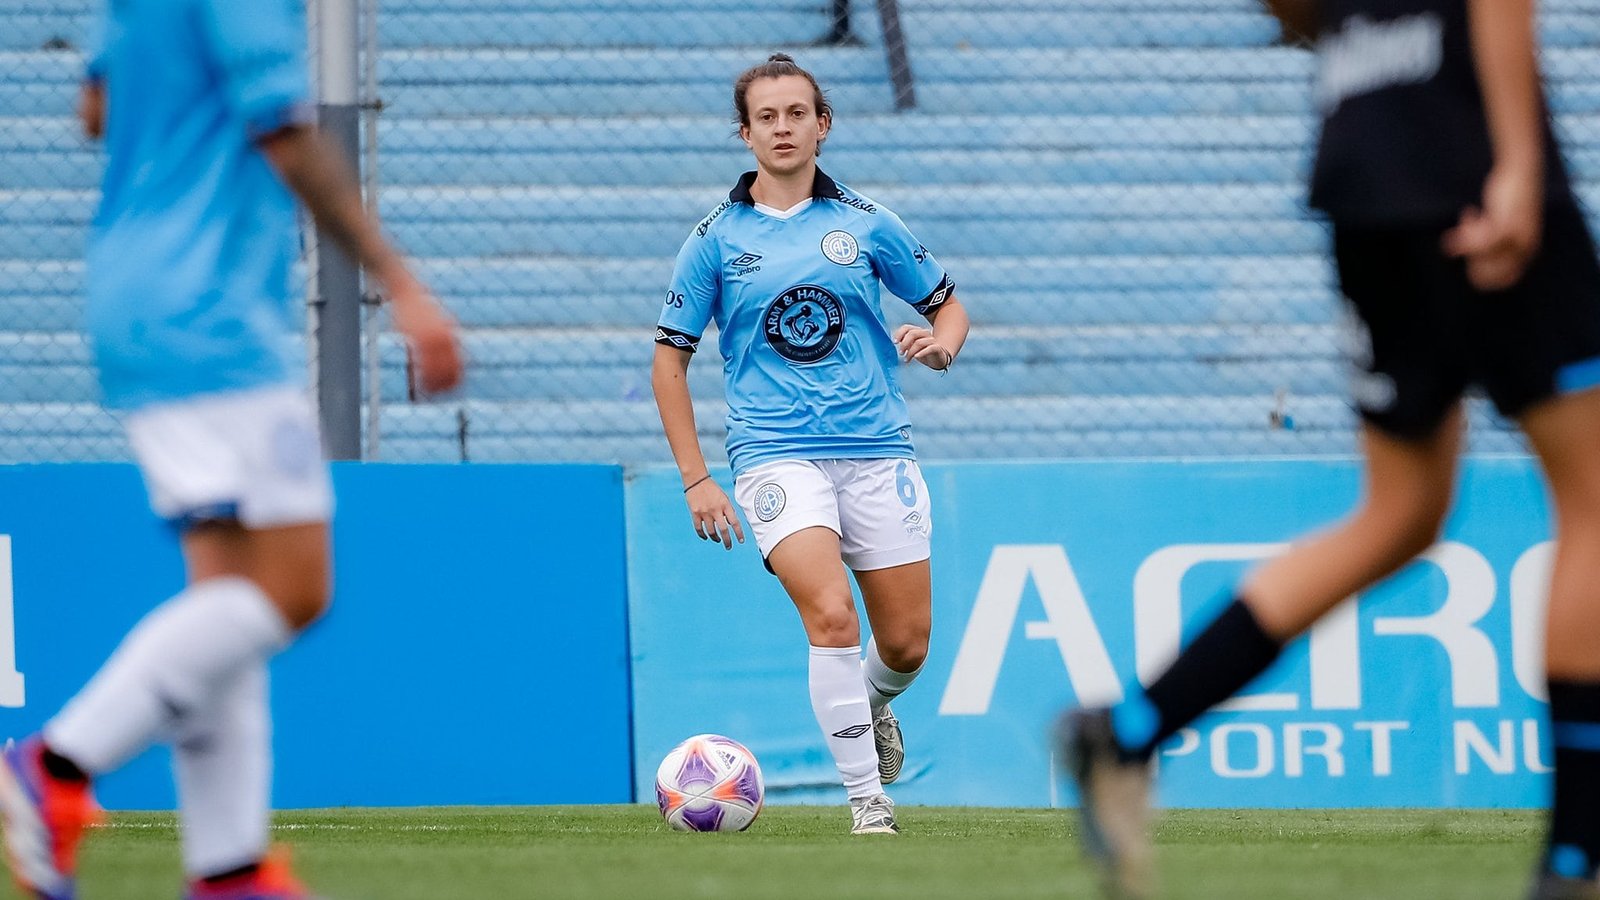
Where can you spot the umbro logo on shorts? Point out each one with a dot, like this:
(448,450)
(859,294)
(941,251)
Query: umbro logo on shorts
(854,731)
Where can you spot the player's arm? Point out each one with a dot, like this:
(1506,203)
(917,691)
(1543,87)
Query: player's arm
(713,514)
(937,347)
(1298,19)
(1499,239)
(315,170)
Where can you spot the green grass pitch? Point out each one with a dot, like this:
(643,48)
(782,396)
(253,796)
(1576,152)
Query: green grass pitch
(578,853)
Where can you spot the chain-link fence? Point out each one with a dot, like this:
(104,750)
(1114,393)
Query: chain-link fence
(1116,186)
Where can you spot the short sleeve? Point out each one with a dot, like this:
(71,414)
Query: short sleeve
(259,49)
(906,267)
(692,297)
(101,38)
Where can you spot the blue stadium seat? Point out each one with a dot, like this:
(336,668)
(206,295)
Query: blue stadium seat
(1115,184)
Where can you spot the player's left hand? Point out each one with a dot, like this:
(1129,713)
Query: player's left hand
(916,343)
(1499,240)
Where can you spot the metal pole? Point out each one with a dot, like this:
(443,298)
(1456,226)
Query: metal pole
(894,47)
(371,105)
(338,307)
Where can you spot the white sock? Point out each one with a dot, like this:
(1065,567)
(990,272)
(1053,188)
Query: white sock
(839,700)
(223,761)
(174,660)
(883,683)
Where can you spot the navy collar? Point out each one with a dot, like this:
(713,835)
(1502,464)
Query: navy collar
(822,188)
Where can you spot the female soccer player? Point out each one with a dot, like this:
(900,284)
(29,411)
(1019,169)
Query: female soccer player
(818,433)
(1460,246)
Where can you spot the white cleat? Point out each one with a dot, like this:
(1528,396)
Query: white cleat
(890,743)
(874,815)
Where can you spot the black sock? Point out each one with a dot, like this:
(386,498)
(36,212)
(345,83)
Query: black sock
(60,767)
(1573,848)
(1227,655)
(232,874)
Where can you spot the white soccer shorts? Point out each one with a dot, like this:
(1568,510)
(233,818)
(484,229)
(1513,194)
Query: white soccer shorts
(878,507)
(254,456)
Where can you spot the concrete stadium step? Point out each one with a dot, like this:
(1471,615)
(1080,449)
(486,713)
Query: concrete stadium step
(683,207)
(646,279)
(476,277)
(882,133)
(1040,236)
(597,364)
(754,27)
(928,29)
(1169,307)
(1070,236)
(851,100)
(540,309)
(33,312)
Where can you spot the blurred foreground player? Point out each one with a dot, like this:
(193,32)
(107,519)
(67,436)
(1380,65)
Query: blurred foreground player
(205,111)
(1463,252)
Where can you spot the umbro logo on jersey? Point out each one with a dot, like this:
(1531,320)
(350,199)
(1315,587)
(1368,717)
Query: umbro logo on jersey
(745,263)
(674,338)
(854,731)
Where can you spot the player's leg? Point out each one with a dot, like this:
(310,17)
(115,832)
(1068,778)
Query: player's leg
(1565,434)
(207,462)
(167,667)
(222,750)
(793,513)
(1542,368)
(900,609)
(1408,490)
(886,524)
(808,564)
(1409,484)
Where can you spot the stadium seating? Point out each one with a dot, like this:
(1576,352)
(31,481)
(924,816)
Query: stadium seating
(1115,184)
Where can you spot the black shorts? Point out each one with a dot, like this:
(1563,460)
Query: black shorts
(1432,335)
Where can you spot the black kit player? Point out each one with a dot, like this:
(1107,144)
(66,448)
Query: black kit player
(1463,252)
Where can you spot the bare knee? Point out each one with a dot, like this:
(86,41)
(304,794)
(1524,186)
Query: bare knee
(903,650)
(833,625)
(302,604)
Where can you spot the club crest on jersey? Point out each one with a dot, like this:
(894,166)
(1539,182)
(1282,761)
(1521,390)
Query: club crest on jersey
(804,324)
(840,247)
(770,501)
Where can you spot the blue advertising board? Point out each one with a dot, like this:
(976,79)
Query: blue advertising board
(479,617)
(1057,583)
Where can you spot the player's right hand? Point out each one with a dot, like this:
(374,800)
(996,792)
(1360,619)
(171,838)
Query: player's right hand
(430,334)
(713,514)
(1500,240)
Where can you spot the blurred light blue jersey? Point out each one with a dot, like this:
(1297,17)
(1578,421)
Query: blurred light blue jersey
(812,371)
(191,250)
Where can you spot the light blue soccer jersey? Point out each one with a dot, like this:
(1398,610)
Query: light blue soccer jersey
(810,364)
(190,252)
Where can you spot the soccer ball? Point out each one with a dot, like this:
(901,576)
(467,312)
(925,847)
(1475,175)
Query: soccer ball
(710,783)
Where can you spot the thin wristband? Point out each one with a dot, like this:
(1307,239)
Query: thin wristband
(702,478)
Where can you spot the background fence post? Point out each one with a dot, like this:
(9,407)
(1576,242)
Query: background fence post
(337,310)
